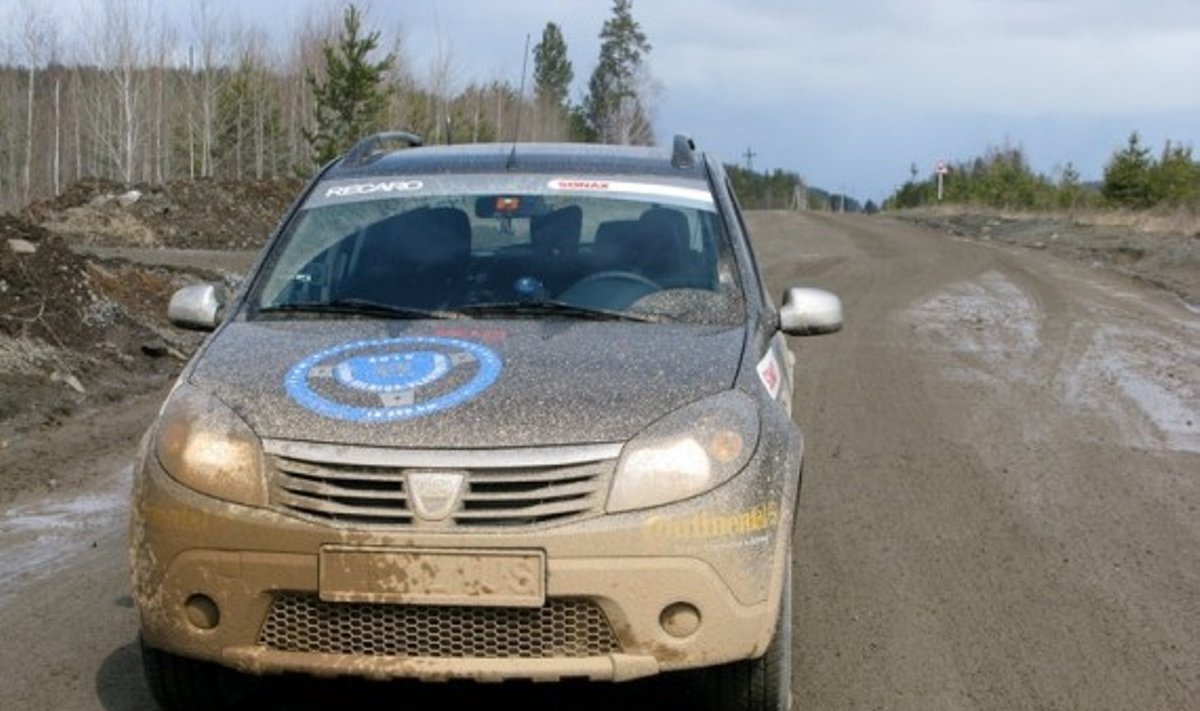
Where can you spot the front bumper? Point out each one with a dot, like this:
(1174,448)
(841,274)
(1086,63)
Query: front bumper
(674,590)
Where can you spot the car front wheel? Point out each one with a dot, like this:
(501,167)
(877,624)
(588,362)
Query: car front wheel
(183,684)
(763,684)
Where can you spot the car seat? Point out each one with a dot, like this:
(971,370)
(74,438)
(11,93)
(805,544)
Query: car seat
(418,258)
(555,240)
(664,250)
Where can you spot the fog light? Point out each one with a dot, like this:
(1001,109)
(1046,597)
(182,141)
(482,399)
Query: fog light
(680,619)
(202,612)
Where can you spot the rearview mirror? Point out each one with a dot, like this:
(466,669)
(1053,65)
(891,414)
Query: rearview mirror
(510,206)
(810,312)
(196,307)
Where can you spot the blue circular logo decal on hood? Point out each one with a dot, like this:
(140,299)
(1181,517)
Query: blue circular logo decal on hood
(390,379)
(392,373)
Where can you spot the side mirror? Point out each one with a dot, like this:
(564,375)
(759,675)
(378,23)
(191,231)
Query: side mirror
(810,312)
(197,307)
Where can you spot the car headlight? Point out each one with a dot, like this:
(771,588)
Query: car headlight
(688,452)
(204,445)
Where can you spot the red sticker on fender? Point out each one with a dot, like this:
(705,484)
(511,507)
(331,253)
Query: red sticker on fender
(768,373)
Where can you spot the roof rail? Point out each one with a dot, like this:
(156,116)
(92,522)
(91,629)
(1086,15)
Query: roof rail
(683,155)
(367,147)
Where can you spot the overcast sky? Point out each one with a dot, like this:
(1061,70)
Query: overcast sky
(848,93)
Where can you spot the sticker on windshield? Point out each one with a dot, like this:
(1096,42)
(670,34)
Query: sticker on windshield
(391,379)
(583,185)
(768,373)
(388,186)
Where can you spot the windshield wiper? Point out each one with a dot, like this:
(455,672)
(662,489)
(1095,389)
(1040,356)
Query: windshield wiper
(361,307)
(555,308)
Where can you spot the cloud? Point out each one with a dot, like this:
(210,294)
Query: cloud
(1024,57)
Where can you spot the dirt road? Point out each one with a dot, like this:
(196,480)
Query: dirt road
(1000,504)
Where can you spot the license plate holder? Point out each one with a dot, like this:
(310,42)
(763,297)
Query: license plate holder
(496,578)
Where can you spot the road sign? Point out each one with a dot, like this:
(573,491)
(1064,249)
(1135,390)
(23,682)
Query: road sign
(942,171)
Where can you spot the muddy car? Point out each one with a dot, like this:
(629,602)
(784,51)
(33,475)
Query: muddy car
(487,412)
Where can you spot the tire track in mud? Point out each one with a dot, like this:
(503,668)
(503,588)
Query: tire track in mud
(895,586)
(977,539)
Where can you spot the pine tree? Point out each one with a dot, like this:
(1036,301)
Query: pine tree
(615,107)
(1070,189)
(350,103)
(552,70)
(1175,179)
(1127,176)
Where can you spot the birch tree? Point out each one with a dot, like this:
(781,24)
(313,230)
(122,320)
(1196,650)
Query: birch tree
(208,36)
(36,33)
(119,40)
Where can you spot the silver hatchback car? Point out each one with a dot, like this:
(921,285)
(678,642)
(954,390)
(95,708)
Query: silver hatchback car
(483,412)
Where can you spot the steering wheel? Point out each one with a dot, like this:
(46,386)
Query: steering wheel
(617,275)
(613,289)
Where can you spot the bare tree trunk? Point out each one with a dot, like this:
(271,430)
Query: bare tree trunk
(499,112)
(237,142)
(128,121)
(208,32)
(160,73)
(260,120)
(75,83)
(191,129)
(206,123)
(57,134)
(478,114)
(26,177)
(35,35)
(190,91)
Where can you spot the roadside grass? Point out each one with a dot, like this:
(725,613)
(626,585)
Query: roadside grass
(1170,221)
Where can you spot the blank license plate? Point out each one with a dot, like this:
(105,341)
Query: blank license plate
(433,577)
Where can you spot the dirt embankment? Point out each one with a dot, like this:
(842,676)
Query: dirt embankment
(1162,250)
(185,214)
(78,331)
(66,321)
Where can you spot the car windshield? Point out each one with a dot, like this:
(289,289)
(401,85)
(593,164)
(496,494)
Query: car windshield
(485,247)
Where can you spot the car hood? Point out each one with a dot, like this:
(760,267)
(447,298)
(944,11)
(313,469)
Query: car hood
(492,384)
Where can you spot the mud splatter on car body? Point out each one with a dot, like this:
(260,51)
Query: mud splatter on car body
(484,412)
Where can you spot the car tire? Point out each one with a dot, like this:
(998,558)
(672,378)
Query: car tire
(182,684)
(762,684)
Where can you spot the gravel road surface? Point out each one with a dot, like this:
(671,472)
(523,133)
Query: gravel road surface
(999,509)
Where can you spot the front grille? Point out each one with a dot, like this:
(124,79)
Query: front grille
(563,627)
(379,496)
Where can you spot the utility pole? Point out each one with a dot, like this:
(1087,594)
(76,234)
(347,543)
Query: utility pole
(749,155)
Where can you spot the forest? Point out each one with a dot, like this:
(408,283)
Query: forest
(138,99)
(1135,178)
